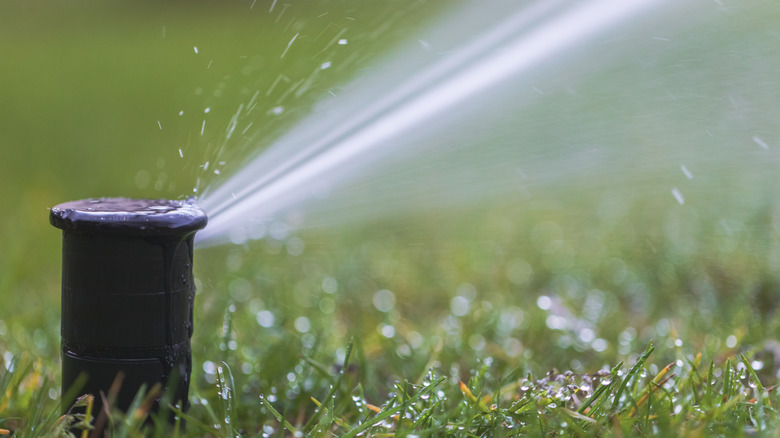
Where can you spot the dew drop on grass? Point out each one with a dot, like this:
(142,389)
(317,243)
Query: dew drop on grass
(265,318)
(302,324)
(387,330)
(459,305)
(544,302)
(586,335)
(384,300)
(330,285)
(599,345)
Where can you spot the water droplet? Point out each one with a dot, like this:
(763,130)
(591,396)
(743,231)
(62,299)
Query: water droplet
(387,330)
(384,300)
(678,195)
(544,302)
(761,143)
(459,306)
(686,172)
(265,318)
(209,367)
(302,324)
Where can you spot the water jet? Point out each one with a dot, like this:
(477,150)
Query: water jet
(127,296)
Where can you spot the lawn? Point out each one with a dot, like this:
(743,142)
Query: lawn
(635,296)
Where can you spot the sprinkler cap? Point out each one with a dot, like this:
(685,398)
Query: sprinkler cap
(138,217)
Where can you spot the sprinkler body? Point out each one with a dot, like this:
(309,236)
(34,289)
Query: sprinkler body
(127,298)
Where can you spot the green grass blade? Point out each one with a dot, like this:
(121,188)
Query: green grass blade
(314,418)
(631,373)
(279,417)
(392,411)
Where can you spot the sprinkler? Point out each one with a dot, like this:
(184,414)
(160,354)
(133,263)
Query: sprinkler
(127,298)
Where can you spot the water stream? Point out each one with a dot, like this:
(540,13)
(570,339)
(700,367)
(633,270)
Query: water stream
(602,92)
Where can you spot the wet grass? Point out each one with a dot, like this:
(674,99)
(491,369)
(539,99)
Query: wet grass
(412,333)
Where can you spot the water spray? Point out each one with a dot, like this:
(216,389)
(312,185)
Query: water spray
(127,298)
(370,125)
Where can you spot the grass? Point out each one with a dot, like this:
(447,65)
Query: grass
(308,344)
(591,305)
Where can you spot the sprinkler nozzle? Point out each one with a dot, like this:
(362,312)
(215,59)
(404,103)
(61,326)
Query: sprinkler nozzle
(127,298)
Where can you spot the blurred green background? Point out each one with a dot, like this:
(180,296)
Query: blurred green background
(90,101)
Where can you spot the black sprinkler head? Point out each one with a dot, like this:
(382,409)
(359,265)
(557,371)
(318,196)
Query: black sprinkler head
(127,297)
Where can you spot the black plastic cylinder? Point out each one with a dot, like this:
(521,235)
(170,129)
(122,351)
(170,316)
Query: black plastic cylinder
(127,296)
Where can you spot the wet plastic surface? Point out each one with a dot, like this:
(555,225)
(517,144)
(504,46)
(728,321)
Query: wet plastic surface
(151,217)
(127,294)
